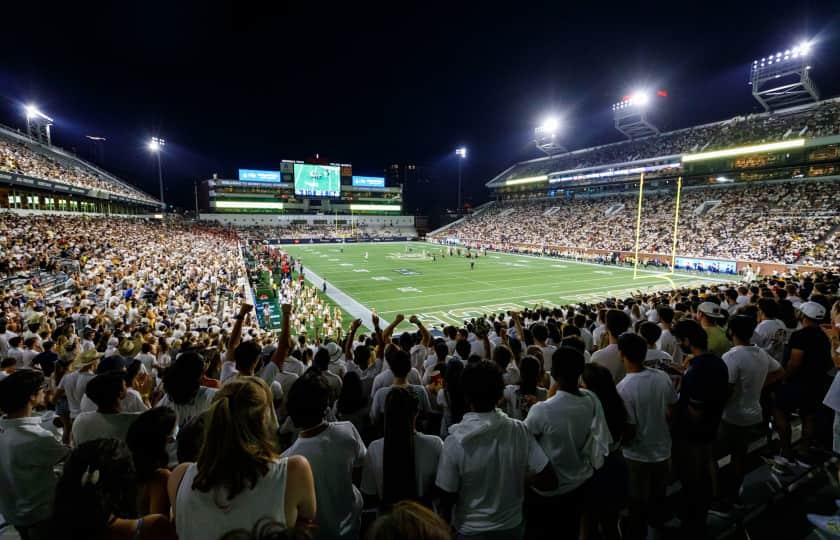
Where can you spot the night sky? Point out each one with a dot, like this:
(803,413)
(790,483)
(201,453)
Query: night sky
(238,85)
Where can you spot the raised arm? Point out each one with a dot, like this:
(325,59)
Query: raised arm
(424,333)
(236,333)
(348,343)
(386,334)
(282,350)
(377,335)
(517,321)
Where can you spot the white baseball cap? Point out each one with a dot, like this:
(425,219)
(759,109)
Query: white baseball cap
(711,309)
(812,310)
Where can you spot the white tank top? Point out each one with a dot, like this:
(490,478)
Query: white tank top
(200,515)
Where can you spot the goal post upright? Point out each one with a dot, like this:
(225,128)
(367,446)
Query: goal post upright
(676,225)
(638,224)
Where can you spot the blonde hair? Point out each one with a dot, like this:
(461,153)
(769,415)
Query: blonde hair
(239,437)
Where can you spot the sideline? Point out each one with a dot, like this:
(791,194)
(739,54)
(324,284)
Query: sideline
(347,302)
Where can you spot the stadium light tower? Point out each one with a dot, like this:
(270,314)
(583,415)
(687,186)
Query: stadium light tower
(38,124)
(783,79)
(545,136)
(631,114)
(462,155)
(156,147)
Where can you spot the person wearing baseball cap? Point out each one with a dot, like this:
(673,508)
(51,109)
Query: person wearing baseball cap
(806,379)
(711,316)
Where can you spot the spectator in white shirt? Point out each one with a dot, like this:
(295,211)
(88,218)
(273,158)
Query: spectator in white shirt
(184,393)
(571,428)
(617,323)
(335,451)
(28,454)
(487,460)
(404,463)
(771,331)
(667,342)
(15,351)
(400,363)
(108,421)
(750,370)
(580,323)
(648,395)
(654,357)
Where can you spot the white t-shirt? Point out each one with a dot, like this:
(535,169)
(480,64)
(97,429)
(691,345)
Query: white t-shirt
(272,373)
(131,403)
(95,425)
(586,336)
(74,385)
(147,359)
(748,368)
(427,449)
(773,337)
(377,408)
(610,358)
(386,378)
(668,343)
(562,425)
(485,460)
(647,396)
(196,407)
(228,370)
(655,357)
(333,454)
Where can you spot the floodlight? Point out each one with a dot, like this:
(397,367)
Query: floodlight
(550,125)
(805,47)
(156,144)
(461,152)
(640,98)
(33,112)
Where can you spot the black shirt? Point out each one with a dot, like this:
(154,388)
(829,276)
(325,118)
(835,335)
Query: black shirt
(817,358)
(703,395)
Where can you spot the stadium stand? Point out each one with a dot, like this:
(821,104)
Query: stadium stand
(781,222)
(24,157)
(812,121)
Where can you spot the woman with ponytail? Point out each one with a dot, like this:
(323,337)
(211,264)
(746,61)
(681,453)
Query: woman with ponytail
(403,464)
(239,476)
(95,498)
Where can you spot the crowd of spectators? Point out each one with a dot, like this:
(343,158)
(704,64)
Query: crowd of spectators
(789,222)
(358,231)
(817,120)
(19,158)
(167,414)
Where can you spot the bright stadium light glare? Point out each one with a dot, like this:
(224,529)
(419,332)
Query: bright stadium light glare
(804,47)
(32,111)
(156,144)
(461,152)
(550,125)
(640,98)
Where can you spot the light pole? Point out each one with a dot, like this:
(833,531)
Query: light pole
(156,147)
(462,155)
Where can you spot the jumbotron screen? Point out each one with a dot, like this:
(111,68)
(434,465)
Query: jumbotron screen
(317,180)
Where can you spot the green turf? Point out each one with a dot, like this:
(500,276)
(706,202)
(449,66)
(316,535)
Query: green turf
(446,291)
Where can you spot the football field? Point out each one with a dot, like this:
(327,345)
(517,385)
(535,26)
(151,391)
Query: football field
(402,277)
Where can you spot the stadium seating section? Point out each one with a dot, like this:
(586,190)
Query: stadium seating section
(787,222)
(36,161)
